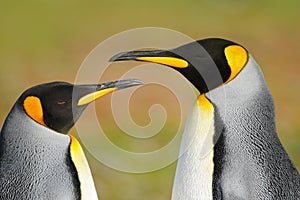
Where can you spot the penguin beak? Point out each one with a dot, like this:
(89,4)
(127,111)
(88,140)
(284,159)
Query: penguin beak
(155,56)
(97,91)
(191,60)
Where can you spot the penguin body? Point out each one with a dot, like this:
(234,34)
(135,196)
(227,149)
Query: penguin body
(35,162)
(230,148)
(38,159)
(249,160)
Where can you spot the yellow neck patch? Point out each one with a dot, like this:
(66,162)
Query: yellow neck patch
(237,58)
(34,109)
(170,61)
(204,103)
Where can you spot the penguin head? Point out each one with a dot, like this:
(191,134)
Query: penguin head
(58,105)
(206,63)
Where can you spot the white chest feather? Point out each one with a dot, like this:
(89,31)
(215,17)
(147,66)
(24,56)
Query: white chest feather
(87,187)
(194,174)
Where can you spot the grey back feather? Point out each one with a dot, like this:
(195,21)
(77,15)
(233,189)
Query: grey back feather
(250,162)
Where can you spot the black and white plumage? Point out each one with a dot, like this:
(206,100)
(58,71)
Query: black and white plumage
(230,148)
(38,159)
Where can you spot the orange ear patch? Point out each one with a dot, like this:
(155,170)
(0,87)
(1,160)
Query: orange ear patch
(237,58)
(33,108)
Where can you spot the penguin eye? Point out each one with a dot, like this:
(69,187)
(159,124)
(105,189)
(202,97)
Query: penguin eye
(64,102)
(61,102)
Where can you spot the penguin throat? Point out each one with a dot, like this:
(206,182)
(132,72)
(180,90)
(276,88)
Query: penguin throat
(194,174)
(87,187)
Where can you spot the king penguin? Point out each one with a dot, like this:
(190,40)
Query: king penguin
(38,159)
(230,148)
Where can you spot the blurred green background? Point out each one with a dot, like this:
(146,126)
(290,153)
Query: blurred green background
(42,41)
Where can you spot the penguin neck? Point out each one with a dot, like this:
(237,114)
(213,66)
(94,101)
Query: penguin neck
(19,129)
(194,174)
(244,108)
(46,147)
(17,119)
(243,101)
(30,149)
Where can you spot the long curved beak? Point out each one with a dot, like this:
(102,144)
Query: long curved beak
(191,60)
(175,59)
(163,57)
(90,93)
